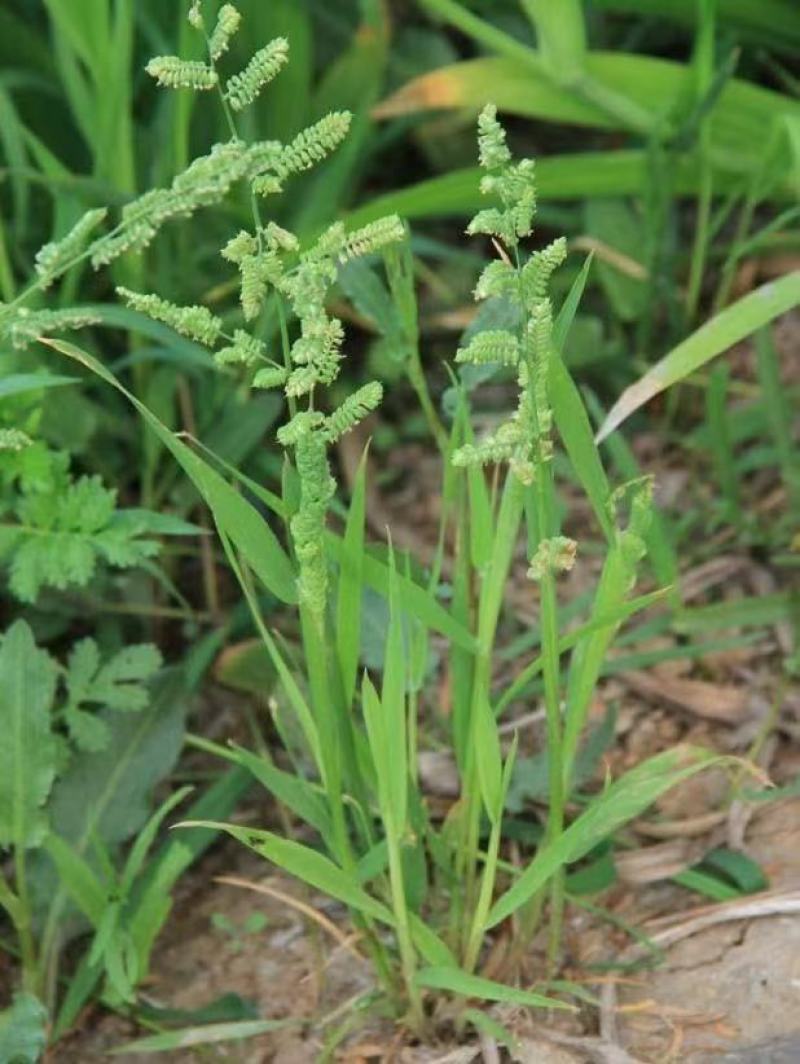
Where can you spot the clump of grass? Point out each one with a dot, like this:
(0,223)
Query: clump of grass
(426,896)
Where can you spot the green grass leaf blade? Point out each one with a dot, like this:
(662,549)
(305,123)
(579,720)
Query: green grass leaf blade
(624,799)
(349,588)
(475,986)
(78,879)
(576,432)
(724,330)
(202,1035)
(303,863)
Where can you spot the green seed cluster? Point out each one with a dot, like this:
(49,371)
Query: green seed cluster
(244,88)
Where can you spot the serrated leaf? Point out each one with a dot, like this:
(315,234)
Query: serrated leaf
(66,527)
(23,1030)
(28,752)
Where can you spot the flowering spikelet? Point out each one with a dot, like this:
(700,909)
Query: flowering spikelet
(263,156)
(239,247)
(540,266)
(195,16)
(227,24)
(638,494)
(256,271)
(243,88)
(279,238)
(198,323)
(319,345)
(270,377)
(244,351)
(491,345)
(372,237)
(353,410)
(174,73)
(499,447)
(14,440)
(205,182)
(317,488)
(24,326)
(54,257)
(303,423)
(301,381)
(555,555)
(312,145)
(524,439)
(493,152)
(498,280)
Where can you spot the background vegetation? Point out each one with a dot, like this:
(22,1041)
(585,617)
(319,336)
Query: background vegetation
(667,146)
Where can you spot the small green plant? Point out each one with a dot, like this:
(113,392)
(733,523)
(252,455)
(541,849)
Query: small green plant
(74,785)
(237,934)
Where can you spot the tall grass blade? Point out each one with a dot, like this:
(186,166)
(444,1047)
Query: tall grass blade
(731,325)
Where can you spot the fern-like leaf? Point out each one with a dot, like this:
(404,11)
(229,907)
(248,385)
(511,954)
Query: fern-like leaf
(61,538)
(119,684)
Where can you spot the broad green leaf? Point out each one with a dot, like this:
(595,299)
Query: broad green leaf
(486,1024)
(622,612)
(775,23)
(23,1030)
(623,800)
(707,884)
(480,517)
(727,328)
(560,36)
(475,986)
(245,527)
(107,794)
(394,762)
(741,870)
(28,755)
(430,946)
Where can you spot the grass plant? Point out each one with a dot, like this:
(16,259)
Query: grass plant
(428,895)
